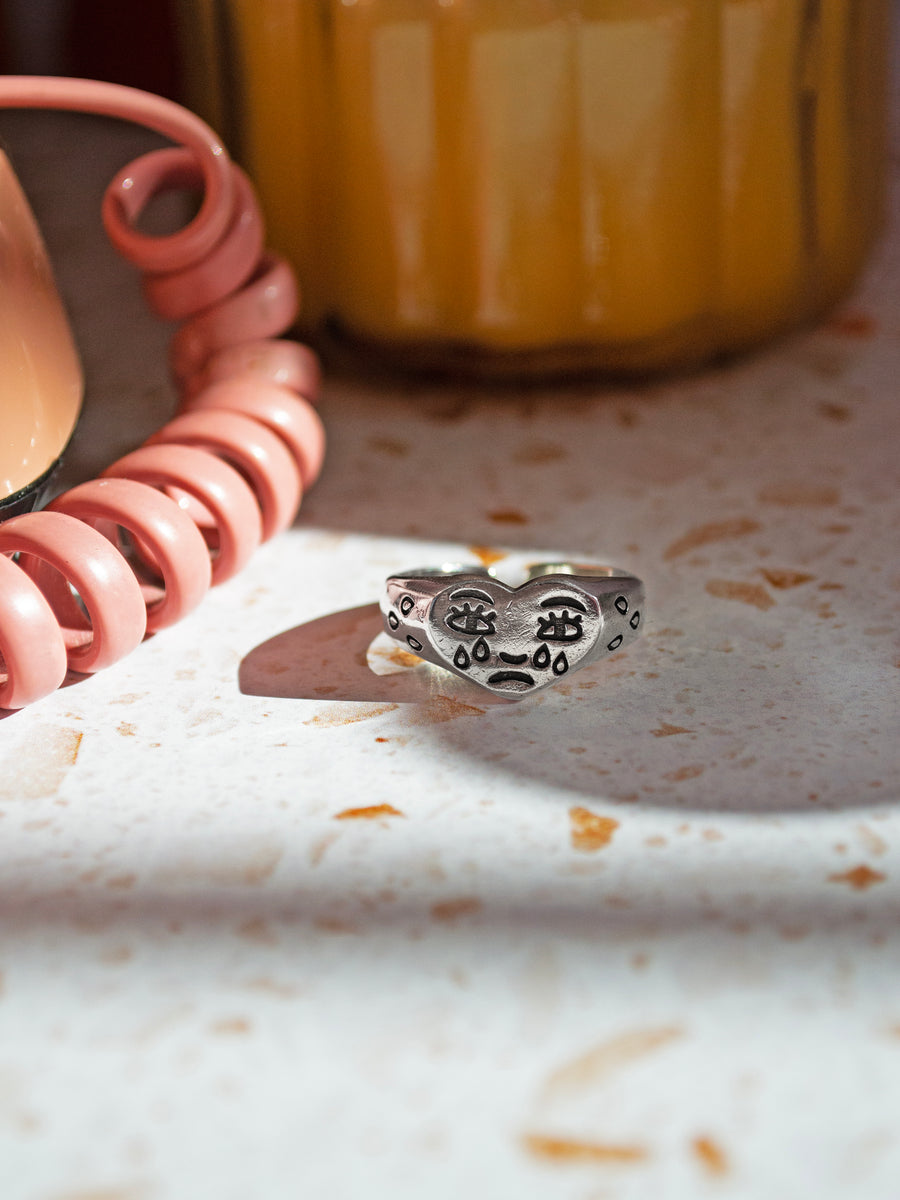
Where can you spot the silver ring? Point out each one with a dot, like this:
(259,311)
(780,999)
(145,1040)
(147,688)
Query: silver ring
(514,640)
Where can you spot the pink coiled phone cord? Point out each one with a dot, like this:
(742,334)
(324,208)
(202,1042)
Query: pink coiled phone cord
(224,474)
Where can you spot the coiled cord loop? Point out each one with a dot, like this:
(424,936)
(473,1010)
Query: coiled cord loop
(224,474)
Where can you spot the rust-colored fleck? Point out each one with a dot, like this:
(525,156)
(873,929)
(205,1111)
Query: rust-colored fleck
(439,709)
(873,842)
(691,771)
(257,930)
(452,910)
(536,453)
(590,831)
(746,593)
(121,882)
(710,1155)
(667,730)
(656,840)
(602,1060)
(334,925)
(713,835)
(231,1026)
(859,878)
(853,325)
(349,714)
(507,516)
(371,812)
(393,447)
(783,579)
(263,983)
(800,495)
(248,865)
(486,555)
(713,531)
(794,933)
(558,1149)
(114,956)
(834,412)
(402,658)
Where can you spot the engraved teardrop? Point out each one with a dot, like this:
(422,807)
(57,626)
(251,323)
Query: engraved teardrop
(481,651)
(560,664)
(461,659)
(541,658)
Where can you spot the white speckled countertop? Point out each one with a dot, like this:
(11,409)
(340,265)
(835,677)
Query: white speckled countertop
(635,937)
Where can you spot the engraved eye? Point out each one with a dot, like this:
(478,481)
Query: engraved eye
(463,619)
(560,627)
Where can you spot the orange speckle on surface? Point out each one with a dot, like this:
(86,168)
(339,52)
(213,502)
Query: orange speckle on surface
(390,446)
(231,1026)
(486,555)
(834,412)
(710,1155)
(507,516)
(536,453)
(256,929)
(873,842)
(794,933)
(439,709)
(349,714)
(713,531)
(371,812)
(746,593)
(121,882)
(452,910)
(402,658)
(593,1066)
(115,956)
(666,730)
(691,771)
(859,878)
(572,1150)
(852,325)
(590,831)
(783,578)
(74,744)
(334,925)
(800,495)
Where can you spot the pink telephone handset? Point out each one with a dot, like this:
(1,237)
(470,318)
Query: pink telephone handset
(226,473)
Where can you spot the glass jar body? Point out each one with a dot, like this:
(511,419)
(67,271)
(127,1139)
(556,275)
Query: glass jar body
(555,185)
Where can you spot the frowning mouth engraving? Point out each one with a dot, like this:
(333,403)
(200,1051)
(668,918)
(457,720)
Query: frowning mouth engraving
(511,677)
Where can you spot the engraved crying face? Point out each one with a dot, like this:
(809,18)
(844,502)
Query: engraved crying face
(514,639)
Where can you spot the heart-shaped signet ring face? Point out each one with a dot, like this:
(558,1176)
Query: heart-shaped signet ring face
(514,640)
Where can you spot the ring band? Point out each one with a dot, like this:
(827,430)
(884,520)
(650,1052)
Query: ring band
(514,640)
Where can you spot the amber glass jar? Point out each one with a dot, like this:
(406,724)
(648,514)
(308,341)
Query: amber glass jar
(555,185)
